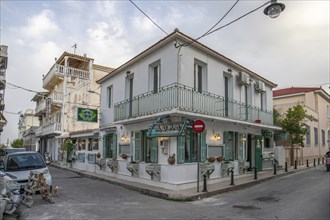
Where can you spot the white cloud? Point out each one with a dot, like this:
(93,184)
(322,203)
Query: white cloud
(40,26)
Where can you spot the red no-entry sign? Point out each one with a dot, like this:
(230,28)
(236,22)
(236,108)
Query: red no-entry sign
(198,126)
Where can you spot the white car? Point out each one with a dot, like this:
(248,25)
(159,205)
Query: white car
(19,164)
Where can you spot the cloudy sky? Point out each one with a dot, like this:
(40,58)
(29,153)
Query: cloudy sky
(291,50)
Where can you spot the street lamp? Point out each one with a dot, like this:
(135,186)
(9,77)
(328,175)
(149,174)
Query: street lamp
(274,9)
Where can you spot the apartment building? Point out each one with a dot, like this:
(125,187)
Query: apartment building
(69,103)
(150,103)
(3,68)
(316,101)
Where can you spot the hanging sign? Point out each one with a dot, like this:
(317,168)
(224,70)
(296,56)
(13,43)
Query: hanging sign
(167,129)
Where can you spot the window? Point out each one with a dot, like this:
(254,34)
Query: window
(109,96)
(316,137)
(323,137)
(95,144)
(89,143)
(308,135)
(154,76)
(199,76)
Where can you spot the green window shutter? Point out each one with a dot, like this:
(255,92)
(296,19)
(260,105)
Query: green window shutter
(181,149)
(203,146)
(137,146)
(226,143)
(154,150)
(104,138)
(114,146)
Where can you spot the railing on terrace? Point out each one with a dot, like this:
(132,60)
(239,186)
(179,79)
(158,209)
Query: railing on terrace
(184,98)
(56,97)
(60,70)
(53,128)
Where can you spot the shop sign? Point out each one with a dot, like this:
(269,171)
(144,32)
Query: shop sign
(167,129)
(86,114)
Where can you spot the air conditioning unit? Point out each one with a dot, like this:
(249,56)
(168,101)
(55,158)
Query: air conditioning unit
(243,78)
(260,86)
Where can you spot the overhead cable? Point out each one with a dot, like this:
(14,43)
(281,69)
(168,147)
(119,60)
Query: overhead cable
(148,17)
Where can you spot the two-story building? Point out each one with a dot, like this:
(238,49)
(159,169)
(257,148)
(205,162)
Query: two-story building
(316,101)
(70,102)
(149,106)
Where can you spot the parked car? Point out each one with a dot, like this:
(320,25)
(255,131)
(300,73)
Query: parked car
(8,150)
(19,164)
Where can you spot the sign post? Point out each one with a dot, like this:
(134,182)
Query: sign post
(198,126)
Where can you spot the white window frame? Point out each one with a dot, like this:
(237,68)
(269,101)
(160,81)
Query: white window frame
(152,86)
(110,96)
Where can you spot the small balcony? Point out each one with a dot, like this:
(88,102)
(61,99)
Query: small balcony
(51,129)
(56,97)
(40,108)
(186,99)
(57,72)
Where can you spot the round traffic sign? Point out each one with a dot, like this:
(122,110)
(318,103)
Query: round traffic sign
(198,126)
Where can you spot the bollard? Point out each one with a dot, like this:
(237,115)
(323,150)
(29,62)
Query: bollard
(232,177)
(322,160)
(318,161)
(274,168)
(295,164)
(314,163)
(204,181)
(286,167)
(255,173)
(307,165)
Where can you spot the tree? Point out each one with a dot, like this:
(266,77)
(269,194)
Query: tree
(17,143)
(293,123)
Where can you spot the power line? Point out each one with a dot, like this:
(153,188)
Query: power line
(206,33)
(148,17)
(223,26)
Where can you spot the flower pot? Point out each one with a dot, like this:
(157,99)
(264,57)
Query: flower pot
(211,159)
(171,159)
(124,156)
(219,159)
(258,121)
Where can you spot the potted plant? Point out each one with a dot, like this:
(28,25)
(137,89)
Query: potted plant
(124,156)
(211,159)
(220,158)
(171,159)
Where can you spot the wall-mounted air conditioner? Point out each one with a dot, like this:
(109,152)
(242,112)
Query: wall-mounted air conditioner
(259,86)
(243,78)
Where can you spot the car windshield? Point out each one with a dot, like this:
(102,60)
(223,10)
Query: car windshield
(19,162)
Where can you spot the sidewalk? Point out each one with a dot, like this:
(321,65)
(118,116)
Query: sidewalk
(240,182)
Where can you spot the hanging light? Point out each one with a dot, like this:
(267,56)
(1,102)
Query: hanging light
(274,9)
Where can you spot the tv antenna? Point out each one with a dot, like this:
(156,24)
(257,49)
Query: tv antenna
(75,47)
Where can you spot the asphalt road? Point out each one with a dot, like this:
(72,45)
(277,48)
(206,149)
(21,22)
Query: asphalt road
(304,195)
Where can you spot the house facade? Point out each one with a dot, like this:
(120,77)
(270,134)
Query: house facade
(3,68)
(70,102)
(27,120)
(317,104)
(149,106)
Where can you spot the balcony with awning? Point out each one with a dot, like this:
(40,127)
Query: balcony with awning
(185,99)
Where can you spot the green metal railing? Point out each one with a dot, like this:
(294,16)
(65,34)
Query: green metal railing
(184,98)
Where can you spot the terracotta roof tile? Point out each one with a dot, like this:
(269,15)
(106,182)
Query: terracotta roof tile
(294,90)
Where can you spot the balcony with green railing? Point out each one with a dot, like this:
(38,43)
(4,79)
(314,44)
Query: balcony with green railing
(186,99)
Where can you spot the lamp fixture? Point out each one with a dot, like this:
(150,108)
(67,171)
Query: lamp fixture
(217,137)
(274,9)
(243,137)
(123,138)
